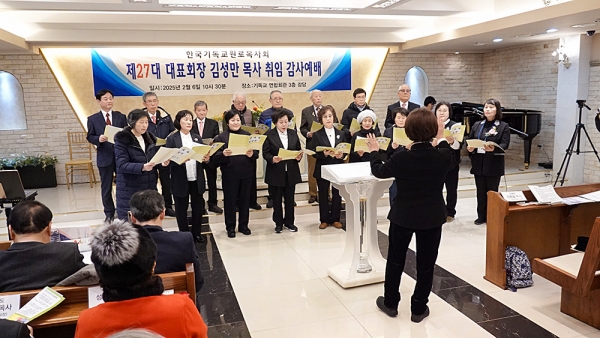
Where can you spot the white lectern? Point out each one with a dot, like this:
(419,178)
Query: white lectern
(362,262)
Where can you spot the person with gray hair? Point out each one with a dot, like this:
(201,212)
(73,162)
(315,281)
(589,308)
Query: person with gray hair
(238,104)
(174,248)
(124,256)
(309,115)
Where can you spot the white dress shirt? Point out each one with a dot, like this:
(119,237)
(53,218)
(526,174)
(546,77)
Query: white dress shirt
(190,166)
(330,135)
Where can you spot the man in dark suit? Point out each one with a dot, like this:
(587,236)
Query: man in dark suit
(32,261)
(106,154)
(403,102)
(160,125)
(207,129)
(309,115)
(174,249)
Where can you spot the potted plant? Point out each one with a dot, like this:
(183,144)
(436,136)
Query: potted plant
(36,171)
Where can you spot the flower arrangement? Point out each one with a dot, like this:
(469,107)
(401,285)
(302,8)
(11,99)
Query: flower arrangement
(28,161)
(257,110)
(218,118)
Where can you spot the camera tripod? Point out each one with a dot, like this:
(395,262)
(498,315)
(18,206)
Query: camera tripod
(576,138)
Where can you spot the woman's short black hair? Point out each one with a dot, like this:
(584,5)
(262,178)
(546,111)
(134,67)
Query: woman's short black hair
(229,115)
(443,103)
(421,125)
(322,112)
(279,113)
(401,111)
(498,107)
(136,115)
(181,114)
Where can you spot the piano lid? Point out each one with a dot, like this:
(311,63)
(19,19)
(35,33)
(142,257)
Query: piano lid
(466,106)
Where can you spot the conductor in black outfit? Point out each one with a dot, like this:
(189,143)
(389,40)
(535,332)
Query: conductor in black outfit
(418,209)
(282,175)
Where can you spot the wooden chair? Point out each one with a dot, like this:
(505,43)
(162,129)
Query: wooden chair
(62,320)
(4,245)
(579,277)
(80,154)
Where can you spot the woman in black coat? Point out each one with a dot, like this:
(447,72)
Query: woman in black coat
(487,164)
(187,179)
(281,175)
(237,175)
(366,118)
(134,148)
(399,114)
(443,111)
(328,136)
(418,209)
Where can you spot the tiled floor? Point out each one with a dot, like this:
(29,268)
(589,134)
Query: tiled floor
(270,285)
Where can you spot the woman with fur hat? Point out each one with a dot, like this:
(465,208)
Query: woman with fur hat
(124,256)
(134,148)
(366,118)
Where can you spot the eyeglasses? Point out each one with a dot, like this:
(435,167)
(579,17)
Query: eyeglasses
(277,99)
(404,90)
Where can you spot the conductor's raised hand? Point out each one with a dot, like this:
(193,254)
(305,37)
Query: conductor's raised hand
(372,143)
(227,152)
(440,133)
(148,166)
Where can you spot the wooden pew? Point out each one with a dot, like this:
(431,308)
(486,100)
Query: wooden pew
(62,320)
(4,245)
(542,231)
(578,276)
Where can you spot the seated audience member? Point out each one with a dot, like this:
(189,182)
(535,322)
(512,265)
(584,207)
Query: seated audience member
(174,249)
(11,329)
(124,256)
(33,262)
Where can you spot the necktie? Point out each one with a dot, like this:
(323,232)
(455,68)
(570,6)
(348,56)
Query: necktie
(404,105)
(317,112)
(201,129)
(154,119)
(108,120)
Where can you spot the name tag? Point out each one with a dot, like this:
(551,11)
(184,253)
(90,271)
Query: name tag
(480,150)
(9,305)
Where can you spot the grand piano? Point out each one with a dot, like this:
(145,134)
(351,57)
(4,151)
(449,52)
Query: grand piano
(523,122)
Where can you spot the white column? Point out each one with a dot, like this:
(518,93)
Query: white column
(573,85)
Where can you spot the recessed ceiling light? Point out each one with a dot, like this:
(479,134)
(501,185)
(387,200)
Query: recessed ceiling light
(295,8)
(583,25)
(481,43)
(497,40)
(456,53)
(523,36)
(208,6)
(387,3)
(551,30)
(136,1)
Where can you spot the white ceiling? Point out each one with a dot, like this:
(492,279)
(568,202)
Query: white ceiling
(407,25)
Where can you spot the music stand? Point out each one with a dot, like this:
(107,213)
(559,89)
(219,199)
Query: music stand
(13,188)
(576,138)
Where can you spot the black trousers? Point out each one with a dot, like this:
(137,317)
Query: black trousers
(211,181)
(428,243)
(106,181)
(164,175)
(328,213)
(271,190)
(287,193)
(253,192)
(237,189)
(181,208)
(485,184)
(452,191)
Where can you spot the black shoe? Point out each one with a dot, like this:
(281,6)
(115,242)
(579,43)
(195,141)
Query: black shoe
(231,233)
(479,221)
(170,212)
(278,229)
(246,231)
(256,206)
(385,309)
(269,203)
(292,228)
(199,239)
(418,318)
(215,209)
(312,199)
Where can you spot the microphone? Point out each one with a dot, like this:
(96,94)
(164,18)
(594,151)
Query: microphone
(477,111)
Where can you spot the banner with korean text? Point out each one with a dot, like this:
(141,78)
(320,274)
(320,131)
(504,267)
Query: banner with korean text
(216,70)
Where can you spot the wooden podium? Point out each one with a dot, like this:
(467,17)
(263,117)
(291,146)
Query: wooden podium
(346,177)
(542,231)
